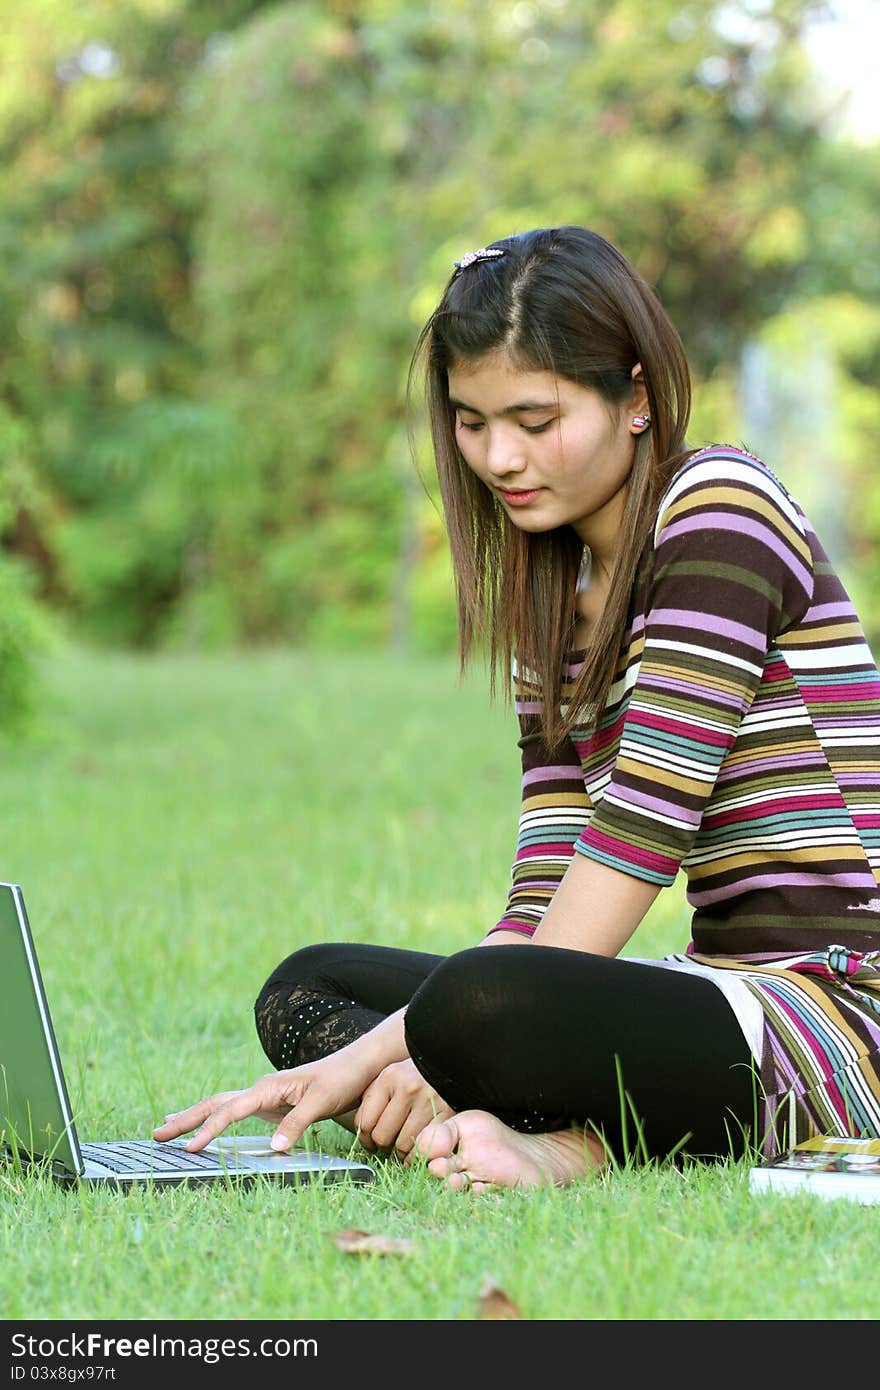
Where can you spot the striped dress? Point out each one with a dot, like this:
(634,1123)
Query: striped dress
(740,743)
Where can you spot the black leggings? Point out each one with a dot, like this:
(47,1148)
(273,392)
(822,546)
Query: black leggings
(651,1059)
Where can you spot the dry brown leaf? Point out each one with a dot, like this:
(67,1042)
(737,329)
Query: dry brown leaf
(354,1242)
(494,1303)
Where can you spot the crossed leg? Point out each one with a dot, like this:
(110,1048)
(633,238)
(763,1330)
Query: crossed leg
(553,1060)
(557,1060)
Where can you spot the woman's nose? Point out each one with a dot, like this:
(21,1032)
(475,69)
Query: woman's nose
(504,455)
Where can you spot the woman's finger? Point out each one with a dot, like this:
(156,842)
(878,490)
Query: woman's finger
(373,1103)
(387,1125)
(182,1121)
(314,1103)
(419,1117)
(240,1105)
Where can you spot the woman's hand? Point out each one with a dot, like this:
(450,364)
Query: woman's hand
(396,1107)
(291,1099)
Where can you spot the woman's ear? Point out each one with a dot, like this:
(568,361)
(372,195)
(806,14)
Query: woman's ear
(639,401)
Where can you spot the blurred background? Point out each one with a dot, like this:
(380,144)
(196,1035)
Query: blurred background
(223,223)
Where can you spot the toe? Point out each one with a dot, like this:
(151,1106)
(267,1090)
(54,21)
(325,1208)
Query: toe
(442,1167)
(438,1140)
(458,1181)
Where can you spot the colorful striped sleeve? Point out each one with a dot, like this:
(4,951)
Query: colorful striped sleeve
(732,570)
(555,807)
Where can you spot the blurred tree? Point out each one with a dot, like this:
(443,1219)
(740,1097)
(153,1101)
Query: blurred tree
(95,297)
(303,322)
(699,148)
(26,630)
(224,222)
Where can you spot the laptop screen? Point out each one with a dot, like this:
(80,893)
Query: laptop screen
(35,1116)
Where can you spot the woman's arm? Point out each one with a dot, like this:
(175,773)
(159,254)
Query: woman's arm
(558,897)
(731,574)
(595,908)
(554,810)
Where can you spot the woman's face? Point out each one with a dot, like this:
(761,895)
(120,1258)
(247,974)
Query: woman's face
(554,452)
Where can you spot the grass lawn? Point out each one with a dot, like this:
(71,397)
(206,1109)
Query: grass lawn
(182,824)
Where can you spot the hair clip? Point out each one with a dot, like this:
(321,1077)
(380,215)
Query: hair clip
(485,253)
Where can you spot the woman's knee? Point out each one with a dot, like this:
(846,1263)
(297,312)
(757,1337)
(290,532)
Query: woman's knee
(457,1029)
(309,967)
(304,971)
(459,1005)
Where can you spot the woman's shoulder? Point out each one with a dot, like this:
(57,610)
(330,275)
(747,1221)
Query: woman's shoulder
(719,461)
(726,475)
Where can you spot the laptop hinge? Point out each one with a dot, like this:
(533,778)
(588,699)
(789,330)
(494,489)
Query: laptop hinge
(55,1168)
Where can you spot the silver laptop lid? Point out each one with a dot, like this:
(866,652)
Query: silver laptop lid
(35,1115)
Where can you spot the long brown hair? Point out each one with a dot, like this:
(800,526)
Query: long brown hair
(562,300)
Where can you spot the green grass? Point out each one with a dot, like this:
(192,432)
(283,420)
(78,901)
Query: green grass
(185,822)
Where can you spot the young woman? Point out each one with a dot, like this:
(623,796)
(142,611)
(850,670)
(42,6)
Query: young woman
(694,691)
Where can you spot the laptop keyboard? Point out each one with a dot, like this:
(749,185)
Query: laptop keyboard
(138,1156)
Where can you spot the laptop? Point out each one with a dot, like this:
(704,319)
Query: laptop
(37,1125)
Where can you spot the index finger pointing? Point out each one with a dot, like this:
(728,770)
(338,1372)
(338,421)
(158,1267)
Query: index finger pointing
(238,1106)
(181,1121)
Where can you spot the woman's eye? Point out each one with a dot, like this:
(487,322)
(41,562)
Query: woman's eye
(529,429)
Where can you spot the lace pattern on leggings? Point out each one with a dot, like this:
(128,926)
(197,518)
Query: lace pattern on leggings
(297,1024)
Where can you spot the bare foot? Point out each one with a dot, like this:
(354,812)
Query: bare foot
(475,1149)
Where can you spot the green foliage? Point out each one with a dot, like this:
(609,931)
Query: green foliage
(26,629)
(293,248)
(25,633)
(162,481)
(223,222)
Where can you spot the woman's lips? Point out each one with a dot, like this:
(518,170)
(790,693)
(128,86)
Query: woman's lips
(520,499)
